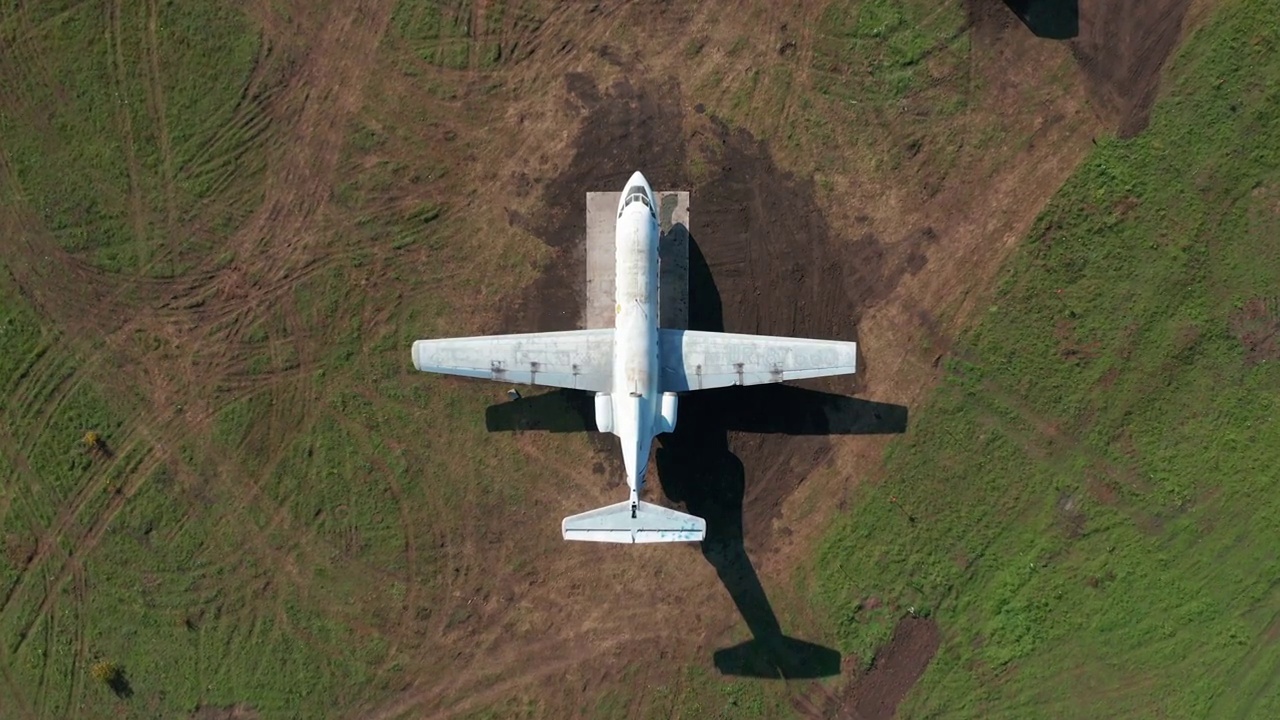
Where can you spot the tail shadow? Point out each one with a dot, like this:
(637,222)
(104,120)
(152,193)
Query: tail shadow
(696,467)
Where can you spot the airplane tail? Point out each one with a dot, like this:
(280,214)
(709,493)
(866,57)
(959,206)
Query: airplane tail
(640,522)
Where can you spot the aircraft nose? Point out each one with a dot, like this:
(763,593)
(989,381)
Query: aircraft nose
(636,184)
(637,178)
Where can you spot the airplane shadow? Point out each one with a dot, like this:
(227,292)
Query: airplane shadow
(696,467)
(1049,19)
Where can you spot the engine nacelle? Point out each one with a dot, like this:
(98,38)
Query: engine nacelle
(667,416)
(604,412)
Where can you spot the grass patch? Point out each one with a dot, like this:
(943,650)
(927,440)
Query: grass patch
(1091,486)
(878,51)
(266,561)
(443,35)
(120,136)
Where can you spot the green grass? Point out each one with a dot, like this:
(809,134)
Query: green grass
(119,137)
(1093,484)
(173,592)
(881,74)
(877,51)
(268,562)
(442,34)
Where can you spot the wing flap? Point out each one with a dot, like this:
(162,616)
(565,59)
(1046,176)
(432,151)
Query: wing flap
(696,360)
(577,359)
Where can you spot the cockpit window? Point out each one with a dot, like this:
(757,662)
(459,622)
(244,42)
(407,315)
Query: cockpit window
(637,193)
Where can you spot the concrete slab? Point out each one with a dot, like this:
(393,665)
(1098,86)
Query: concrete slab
(673,251)
(601,222)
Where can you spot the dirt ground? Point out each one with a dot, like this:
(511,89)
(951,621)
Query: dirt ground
(900,268)
(876,693)
(765,261)
(1119,48)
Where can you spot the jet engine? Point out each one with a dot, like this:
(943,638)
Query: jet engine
(604,412)
(667,418)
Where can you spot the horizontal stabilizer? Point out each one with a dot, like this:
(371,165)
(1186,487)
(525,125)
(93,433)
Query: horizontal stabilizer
(650,524)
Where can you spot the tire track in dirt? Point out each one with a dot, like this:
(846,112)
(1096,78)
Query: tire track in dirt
(47,543)
(159,113)
(492,654)
(42,684)
(45,385)
(181,291)
(24,55)
(80,657)
(329,87)
(558,41)
(25,477)
(83,546)
(1255,671)
(34,502)
(475,33)
(287,196)
(295,192)
(124,120)
(64,290)
(409,612)
(466,689)
(15,694)
(71,568)
(1038,434)
(1121,50)
(330,92)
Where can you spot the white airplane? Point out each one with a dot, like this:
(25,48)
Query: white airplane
(636,370)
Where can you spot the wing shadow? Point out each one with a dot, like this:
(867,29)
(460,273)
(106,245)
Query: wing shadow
(557,411)
(762,409)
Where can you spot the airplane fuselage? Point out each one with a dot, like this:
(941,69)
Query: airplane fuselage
(637,402)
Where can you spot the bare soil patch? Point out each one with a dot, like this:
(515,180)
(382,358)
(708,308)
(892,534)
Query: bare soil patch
(1257,326)
(894,671)
(1120,48)
(239,711)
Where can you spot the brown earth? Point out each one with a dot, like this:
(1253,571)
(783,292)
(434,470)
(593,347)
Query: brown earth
(893,672)
(874,692)
(897,261)
(1257,326)
(233,712)
(1120,48)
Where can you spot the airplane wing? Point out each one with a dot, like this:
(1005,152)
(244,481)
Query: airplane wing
(695,360)
(578,359)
